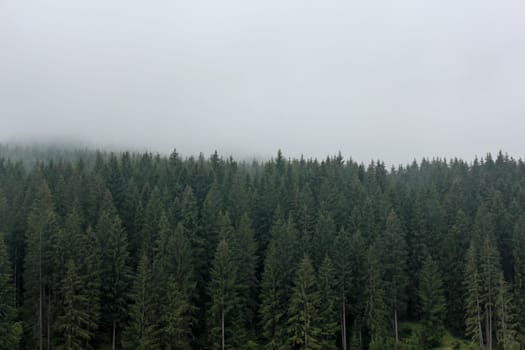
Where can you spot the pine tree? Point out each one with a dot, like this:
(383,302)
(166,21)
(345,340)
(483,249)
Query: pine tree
(141,332)
(115,274)
(178,285)
(394,255)
(37,267)
(473,307)
(505,317)
(73,321)
(343,268)
(223,294)
(377,311)
(328,306)
(10,330)
(432,303)
(489,263)
(244,249)
(518,253)
(303,321)
(276,283)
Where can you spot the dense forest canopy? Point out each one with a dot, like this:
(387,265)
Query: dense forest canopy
(144,251)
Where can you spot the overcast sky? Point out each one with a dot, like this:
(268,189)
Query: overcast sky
(394,80)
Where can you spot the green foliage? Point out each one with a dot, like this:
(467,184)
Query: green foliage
(304,318)
(72,323)
(141,331)
(224,297)
(10,330)
(76,228)
(432,303)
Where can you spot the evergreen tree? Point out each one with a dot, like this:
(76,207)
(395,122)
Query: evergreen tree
(432,303)
(328,306)
(115,273)
(518,253)
(10,330)
(178,285)
(223,294)
(276,283)
(377,310)
(394,256)
(473,306)
(505,317)
(303,321)
(73,321)
(141,332)
(244,249)
(37,272)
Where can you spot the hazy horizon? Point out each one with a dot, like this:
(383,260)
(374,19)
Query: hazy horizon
(394,81)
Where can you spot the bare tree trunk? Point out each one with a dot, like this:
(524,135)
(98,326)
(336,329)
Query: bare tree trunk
(114,334)
(222,328)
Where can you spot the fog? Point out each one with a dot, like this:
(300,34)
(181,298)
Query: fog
(394,80)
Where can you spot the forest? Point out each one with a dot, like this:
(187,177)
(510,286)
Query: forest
(139,250)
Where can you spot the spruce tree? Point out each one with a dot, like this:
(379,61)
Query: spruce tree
(432,303)
(10,330)
(276,283)
(41,226)
(505,317)
(223,294)
(177,284)
(115,273)
(473,306)
(377,310)
(303,320)
(394,257)
(141,332)
(72,323)
(328,305)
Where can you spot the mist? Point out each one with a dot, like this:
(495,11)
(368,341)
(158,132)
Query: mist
(390,80)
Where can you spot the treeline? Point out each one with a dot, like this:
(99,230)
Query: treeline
(142,251)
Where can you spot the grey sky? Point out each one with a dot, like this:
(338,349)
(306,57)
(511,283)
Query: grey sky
(394,80)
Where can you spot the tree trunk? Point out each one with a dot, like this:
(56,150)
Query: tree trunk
(114,334)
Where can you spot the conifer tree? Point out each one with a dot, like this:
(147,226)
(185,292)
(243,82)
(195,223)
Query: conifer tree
(377,310)
(73,322)
(244,249)
(518,253)
(276,283)
(178,285)
(394,256)
(432,303)
(473,306)
(505,317)
(223,295)
(10,330)
(303,321)
(141,332)
(328,306)
(37,273)
(115,273)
